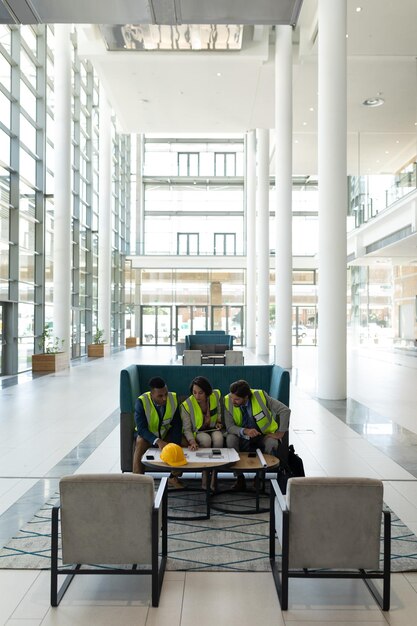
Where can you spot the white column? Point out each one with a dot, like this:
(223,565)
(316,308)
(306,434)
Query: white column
(140,220)
(140,226)
(251,239)
(283,196)
(62,185)
(104,229)
(332,171)
(262,246)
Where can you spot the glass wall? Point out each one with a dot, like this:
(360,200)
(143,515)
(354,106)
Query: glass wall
(27,164)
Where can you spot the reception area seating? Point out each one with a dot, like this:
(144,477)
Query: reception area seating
(110,520)
(331,528)
(134,381)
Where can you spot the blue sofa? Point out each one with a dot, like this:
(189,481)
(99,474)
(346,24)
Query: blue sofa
(134,381)
(210,343)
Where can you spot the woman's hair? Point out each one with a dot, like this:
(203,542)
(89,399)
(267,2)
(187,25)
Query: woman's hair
(240,388)
(203,383)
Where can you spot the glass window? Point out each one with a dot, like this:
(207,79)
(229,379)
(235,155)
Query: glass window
(27,199)
(26,292)
(4,110)
(5,72)
(225,164)
(4,224)
(4,147)
(26,266)
(27,167)
(4,261)
(26,234)
(29,37)
(27,100)
(5,38)
(28,134)
(28,68)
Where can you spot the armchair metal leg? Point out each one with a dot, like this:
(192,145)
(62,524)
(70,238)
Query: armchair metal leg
(57,594)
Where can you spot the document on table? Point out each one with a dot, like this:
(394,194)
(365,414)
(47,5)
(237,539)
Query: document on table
(202,455)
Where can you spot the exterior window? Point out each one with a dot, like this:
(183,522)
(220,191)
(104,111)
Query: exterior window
(225,243)
(188,163)
(188,243)
(225,164)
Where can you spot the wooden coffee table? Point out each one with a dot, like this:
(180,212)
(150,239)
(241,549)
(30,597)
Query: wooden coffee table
(248,464)
(195,464)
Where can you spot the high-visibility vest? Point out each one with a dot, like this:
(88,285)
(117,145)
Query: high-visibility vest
(262,415)
(196,414)
(152,415)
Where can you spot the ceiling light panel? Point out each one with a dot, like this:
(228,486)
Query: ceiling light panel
(184,37)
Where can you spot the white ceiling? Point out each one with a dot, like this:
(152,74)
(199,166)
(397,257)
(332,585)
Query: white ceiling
(182,92)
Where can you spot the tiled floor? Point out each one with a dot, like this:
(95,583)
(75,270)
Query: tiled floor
(67,422)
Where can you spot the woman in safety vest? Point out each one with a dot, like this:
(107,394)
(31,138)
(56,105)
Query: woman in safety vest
(201,415)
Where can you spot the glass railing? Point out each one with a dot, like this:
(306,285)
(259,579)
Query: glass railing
(370,195)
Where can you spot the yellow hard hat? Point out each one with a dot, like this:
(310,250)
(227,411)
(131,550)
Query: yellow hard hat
(172,454)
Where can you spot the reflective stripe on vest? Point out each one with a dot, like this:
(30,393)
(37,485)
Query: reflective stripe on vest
(196,414)
(260,412)
(152,415)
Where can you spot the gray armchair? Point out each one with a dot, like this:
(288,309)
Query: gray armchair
(329,524)
(234,357)
(191,357)
(110,519)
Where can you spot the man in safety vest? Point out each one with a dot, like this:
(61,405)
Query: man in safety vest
(158,422)
(253,420)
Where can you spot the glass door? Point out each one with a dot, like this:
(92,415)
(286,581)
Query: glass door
(156,325)
(304,326)
(230,319)
(188,319)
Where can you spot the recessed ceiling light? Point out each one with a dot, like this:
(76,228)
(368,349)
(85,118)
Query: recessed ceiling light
(219,73)
(376,101)
(304,123)
(386,151)
(311,109)
(358,9)
(296,141)
(398,141)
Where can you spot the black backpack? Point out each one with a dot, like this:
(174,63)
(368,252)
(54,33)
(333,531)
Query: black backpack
(294,467)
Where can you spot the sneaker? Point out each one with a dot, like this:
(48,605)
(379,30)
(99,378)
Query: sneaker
(175,483)
(240,484)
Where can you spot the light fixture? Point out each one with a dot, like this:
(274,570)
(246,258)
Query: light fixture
(358,9)
(179,37)
(376,101)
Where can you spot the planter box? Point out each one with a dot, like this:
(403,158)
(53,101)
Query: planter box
(131,342)
(98,349)
(50,362)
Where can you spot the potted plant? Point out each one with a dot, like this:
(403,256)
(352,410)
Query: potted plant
(99,347)
(52,356)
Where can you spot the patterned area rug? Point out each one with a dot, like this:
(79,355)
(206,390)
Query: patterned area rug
(225,542)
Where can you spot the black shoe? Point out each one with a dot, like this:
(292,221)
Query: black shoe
(240,484)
